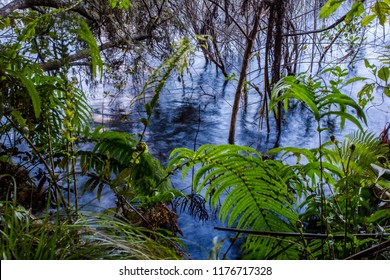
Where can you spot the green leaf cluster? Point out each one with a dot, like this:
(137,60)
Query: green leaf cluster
(321,100)
(380,10)
(122,4)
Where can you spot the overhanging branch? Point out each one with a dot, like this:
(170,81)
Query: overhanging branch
(27,4)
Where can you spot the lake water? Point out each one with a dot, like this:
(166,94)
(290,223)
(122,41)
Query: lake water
(197,111)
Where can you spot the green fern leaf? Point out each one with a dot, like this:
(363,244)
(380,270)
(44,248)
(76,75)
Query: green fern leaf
(34,95)
(291,88)
(86,35)
(254,194)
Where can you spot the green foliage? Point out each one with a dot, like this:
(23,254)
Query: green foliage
(177,61)
(90,236)
(29,85)
(254,191)
(19,84)
(379,80)
(339,160)
(330,7)
(86,35)
(329,186)
(122,163)
(123,4)
(332,189)
(367,149)
(356,10)
(380,9)
(344,168)
(380,215)
(267,195)
(321,100)
(43,109)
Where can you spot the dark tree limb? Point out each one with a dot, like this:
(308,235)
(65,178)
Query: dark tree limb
(337,22)
(300,235)
(27,4)
(383,246)
(12,6)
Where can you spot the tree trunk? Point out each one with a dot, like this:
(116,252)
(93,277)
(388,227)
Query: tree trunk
(244,68)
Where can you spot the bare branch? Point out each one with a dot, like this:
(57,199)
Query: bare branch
(337,22)
(231,18)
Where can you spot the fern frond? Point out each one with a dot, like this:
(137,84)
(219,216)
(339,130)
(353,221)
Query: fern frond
(309,154)
(53,116)
(254,194)
(272,248)
(178,60)
(118,145)
(367,149)
(320,105)
(87,36)
(291,88)
(118,159)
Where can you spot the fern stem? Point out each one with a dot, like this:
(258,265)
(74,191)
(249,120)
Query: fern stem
(51,158)
(49,170)
(304,240)
(75,190)
(324,218)
(195,142)
(336,202)
(67,173)
(347,199)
